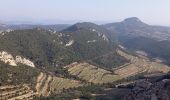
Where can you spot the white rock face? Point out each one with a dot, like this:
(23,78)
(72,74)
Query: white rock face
(122,47)
(105,38)
(91,41)
(9,59)
(99,34)
(142,53)
(55,32)
(70,43)
(60,34)
(9,30)
(2,33)
(52,31)
(24,61)
(94,30)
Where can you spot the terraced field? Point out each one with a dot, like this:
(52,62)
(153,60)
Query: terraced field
(139,65)
(92,73)
(58,84)
(47,84)
(20,92)
(136,66)
(43,84)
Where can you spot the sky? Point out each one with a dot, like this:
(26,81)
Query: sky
(155,12)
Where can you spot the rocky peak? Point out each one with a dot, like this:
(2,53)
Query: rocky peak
(132,19)
(134,22)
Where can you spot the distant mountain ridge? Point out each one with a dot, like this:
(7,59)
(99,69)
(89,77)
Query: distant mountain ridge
(57,27)
(134,27)
(93,28)
(138,36)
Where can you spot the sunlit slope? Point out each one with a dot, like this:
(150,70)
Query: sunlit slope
(136,66)
(92,73)
(139,65)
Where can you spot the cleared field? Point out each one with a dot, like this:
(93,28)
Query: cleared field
(47,84)
(58,84)
(140,65)
(136,66)
(42,83)
(24,92)
(46,88)
(92,73)
(20,92)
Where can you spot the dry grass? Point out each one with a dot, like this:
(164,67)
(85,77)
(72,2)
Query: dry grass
(140,65)
(58,84)
(92,73)
(136,66)
(19,92)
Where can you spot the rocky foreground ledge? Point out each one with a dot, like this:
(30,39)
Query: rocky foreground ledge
(148,90)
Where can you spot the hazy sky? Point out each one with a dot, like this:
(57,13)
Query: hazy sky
(69,11)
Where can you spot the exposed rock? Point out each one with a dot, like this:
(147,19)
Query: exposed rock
(60,34)
(92,41)
(142,53)
(70,43)
(94,30)
(122,47)
(24,61)
(100,34)
(105,37)
(9,59)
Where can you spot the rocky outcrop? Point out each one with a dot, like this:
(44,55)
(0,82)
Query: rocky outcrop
(24,61)
(105,37)
(9,59)
(92,41)
(70,43)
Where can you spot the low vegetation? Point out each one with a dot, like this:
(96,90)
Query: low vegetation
(109,61)
(62,84)
(92,73)
(11,75)
(17,92)
(89,92)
